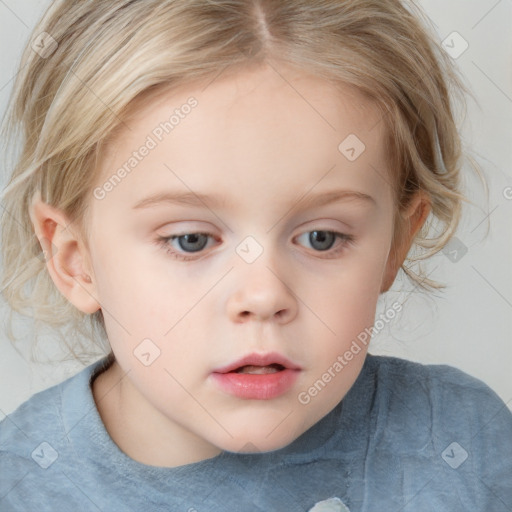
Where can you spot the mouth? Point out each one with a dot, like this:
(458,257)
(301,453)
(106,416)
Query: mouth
(260,370)
(257,376)
(259,364)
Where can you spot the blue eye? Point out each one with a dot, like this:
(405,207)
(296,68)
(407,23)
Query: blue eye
(192,242)
(183,247)
(188,243)
(324,240)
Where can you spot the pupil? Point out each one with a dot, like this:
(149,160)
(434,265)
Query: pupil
(193,242)
(321,240)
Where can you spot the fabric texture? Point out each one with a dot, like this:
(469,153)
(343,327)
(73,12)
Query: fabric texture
(406,437)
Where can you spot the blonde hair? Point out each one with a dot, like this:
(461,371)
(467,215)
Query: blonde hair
(104,56)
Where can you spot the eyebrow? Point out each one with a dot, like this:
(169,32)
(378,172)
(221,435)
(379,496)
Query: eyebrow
(198,200)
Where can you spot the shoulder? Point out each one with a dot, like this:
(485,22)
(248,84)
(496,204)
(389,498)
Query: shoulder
(443,411)
(35,435)
(435,385)
(41,415)
(38,416)
(438,393)
(436,429)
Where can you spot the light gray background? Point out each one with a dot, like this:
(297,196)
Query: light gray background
(469,324)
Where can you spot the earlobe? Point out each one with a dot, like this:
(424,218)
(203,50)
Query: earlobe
(412,220)
(65,254)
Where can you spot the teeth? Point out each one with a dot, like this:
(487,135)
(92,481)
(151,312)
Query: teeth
(259,370)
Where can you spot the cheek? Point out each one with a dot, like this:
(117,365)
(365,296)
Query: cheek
(342,306)
(345,315)
(124,274)
(123,288)
(349,296)
(142,299)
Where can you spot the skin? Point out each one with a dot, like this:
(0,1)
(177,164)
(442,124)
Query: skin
(264,147)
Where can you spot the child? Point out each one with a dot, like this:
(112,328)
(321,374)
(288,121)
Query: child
(299,147)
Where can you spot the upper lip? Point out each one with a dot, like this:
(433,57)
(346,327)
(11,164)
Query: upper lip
(259,360)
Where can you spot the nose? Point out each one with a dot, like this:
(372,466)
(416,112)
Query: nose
(261,294)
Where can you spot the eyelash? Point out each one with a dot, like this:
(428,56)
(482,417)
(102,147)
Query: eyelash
(163,241)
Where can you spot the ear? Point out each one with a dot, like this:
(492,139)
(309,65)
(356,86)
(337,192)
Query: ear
(66,255)
(412,220)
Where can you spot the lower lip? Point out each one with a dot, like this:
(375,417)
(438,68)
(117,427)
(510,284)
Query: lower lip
(257,387)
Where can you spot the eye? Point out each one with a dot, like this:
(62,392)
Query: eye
(184,246)
(192,242)
(179,245)
(324,240)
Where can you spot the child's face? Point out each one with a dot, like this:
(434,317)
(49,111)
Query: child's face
(259,147)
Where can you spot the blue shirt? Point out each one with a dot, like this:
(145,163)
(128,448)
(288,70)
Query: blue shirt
(407,437)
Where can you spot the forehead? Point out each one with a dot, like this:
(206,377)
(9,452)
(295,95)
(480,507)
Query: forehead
(268,123)
(263,95)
